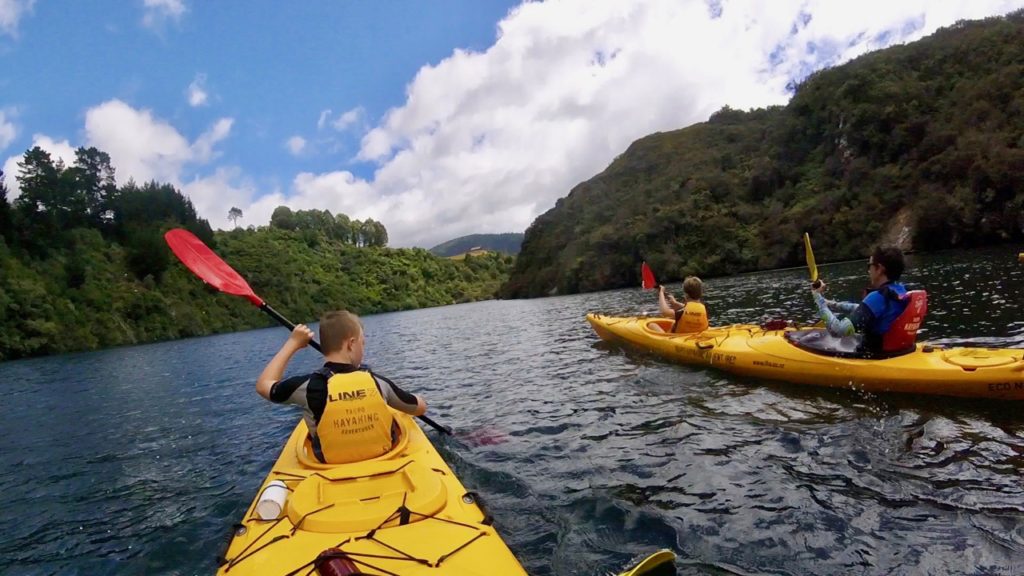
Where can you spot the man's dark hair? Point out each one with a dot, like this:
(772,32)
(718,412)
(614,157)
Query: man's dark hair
(891,258)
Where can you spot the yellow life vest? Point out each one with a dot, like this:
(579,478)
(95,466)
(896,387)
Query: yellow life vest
(692,318)
(356,424)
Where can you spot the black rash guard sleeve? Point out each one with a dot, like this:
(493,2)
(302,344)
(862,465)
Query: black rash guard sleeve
(282,390)
(314,386)
(406,402)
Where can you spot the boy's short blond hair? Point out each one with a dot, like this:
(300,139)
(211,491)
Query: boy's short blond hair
(336,327)
(693,288)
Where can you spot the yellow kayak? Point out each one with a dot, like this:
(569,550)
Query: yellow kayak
(749,350)
(661,562)
(402,513)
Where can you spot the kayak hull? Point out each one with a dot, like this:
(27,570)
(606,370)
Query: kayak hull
(749,350)
(402,513)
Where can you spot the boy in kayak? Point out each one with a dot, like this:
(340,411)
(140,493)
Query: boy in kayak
(689,315)
(345,406)
(876,314)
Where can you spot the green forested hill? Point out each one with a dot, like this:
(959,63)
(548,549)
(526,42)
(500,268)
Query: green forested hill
(83,264)
(923,141)
(507,243)
(84,296)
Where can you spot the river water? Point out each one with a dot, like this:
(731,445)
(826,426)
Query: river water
(137,460)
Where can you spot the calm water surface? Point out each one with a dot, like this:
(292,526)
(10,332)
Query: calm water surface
(137,460)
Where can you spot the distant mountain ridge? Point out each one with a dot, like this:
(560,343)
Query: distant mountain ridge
(507,243)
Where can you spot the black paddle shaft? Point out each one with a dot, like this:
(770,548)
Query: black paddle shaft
(287,324)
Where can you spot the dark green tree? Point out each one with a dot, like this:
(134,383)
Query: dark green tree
(283,218)
(6,223)
(94,185)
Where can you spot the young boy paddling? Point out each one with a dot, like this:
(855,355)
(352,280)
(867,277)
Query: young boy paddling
(344,405)
(690,315)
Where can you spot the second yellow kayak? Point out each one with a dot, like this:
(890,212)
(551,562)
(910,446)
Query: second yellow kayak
(749,350)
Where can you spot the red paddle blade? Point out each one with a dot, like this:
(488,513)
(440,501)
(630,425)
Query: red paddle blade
(648,281)
(202,261)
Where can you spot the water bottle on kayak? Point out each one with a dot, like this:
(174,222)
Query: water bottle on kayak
(271,502)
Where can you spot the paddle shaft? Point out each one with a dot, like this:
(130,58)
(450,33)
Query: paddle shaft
(287,324)
(316,345)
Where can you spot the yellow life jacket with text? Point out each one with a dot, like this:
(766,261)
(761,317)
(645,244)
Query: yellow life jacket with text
(693,317)
(356,424)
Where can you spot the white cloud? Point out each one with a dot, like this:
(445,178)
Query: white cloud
(202,150)
(214,195)
(159,11)
(341,192)
(349,118)
(8,131)
(325,115)
(140,146)
(143,147)
(58,149)
(11,12)
(196,92)
(487,141)
(344,120)
(295,145)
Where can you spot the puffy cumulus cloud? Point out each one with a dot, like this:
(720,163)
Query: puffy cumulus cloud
(340,192)
(156,12)
(58,149)
(144,147)
(486,141)
(8,131)
(11,12)
(196,92)
(295,145)
(215,194)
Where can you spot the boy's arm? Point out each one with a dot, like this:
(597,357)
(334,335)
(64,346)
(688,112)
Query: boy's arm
(399,399)
(300,337)
(663,305)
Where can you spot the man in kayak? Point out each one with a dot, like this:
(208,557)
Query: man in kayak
(345,406)
(876,314)
(690,315)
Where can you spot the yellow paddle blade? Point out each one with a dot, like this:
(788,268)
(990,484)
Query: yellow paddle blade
(652,562)
(810,257)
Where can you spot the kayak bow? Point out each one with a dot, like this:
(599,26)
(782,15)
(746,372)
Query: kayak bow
(404,512)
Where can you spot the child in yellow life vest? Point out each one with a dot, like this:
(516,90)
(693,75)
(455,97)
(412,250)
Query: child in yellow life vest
(689,315)
(345,406)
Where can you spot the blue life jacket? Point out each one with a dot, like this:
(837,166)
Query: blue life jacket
(886,304)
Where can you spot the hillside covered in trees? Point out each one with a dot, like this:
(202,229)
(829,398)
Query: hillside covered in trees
(83,264)
(507,243)
(924,141)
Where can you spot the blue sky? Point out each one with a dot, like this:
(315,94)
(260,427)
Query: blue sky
(437,118)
